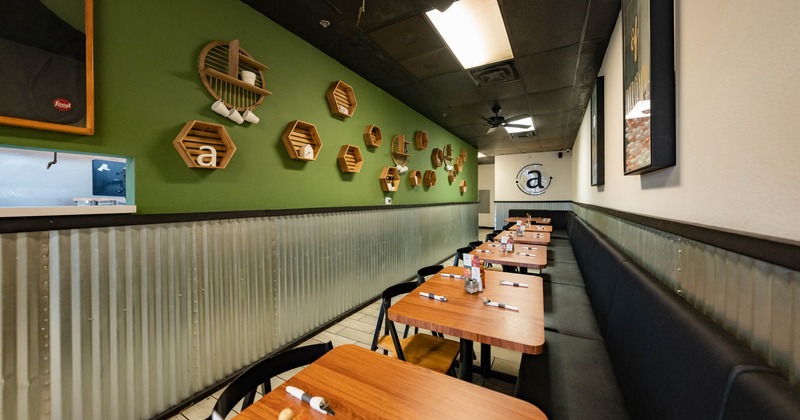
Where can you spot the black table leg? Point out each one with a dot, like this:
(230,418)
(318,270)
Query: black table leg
(486,361)
(466,360)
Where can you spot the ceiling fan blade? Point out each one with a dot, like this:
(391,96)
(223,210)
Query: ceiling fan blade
(491,130)
(518,117)
(516,126)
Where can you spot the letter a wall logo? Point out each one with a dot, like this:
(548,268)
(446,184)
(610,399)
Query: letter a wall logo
(533,179)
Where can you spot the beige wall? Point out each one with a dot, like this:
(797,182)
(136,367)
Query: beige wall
(508,166)
(738,153)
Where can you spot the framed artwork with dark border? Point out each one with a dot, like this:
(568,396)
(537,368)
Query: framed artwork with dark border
(47,76)
(648,73)
(598,135)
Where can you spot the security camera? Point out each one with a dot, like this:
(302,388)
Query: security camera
(569,150)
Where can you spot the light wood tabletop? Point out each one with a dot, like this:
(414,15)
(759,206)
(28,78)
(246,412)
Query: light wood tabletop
(537,220)
(521,256)
(528,237)
(533,228)
(361,384)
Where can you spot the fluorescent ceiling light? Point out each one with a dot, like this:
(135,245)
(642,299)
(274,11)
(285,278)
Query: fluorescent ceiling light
(522,121)
(474,31)
(481,155)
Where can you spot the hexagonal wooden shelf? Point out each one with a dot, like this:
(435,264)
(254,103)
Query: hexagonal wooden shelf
(415,178)
(400,150)
(302,140)
(463,155)
(204,145)
(350,158)
(390,179)
(451,176)
(341,99)
(437,157)
(421,140)
(459,165)
(429,179)
(373,136)
(448,152)
(462,186)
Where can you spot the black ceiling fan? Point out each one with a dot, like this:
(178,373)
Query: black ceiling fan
(501,121)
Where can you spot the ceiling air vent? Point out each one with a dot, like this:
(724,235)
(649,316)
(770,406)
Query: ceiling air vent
(494,73)
(522,134)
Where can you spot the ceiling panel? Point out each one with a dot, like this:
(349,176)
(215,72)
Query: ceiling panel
(558,47)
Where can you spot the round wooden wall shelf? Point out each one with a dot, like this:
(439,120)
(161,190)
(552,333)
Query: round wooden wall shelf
(204,145)
(373,136)
(429,179)
(302,140)
(390,179)
(437,157)
(220,66)
(400,150)
(463,186)
(421,140)
(341,99)
(350,158)
(415,178)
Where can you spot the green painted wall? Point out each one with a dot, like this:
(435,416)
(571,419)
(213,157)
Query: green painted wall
(147,88)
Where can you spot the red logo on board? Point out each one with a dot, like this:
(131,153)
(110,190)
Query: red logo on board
(62,104)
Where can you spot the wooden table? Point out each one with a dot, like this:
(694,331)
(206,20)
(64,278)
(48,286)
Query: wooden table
(466,317)
(358,383)
(533,228)
(530,238)
(537,220)
(514,258)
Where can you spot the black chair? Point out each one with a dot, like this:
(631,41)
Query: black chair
(475,244)
(490,237)
(460,254)
(428,271)
(424,350)
(245,385)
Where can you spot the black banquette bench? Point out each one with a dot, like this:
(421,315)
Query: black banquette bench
(620,344)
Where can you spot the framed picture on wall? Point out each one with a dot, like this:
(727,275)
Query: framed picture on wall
(47,76)
(648,72)
(598,134)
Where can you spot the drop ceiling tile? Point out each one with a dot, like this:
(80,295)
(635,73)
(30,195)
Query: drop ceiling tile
(549,70)
(453,88)
(416,96)
(591,58)
(473,113)
(603,15)
(553,120)
(407,38)
(541,25)
(575,116)
(493,93)
(551,101)
(380,70)
(431,64)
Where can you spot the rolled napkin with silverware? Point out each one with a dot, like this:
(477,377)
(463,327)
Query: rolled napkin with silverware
(317,403)
(453,276)
(511,283)
(525,254)
(488,302)
(483,250)
(433,296)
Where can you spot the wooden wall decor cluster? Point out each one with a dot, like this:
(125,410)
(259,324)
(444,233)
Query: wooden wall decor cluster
(221,65)
(400,150)
(350,158)
(341,99)
(390,178)
(373,136)
(204,145)
(302,140)
(421,140)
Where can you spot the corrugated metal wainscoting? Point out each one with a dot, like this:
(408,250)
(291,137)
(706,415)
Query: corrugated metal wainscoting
(756,301)
(125,322)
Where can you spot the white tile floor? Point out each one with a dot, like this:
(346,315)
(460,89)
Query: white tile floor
(358,329)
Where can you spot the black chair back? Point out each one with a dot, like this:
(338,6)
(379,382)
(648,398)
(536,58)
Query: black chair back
(384,324)
(460,254)
(430,270)
(245,385)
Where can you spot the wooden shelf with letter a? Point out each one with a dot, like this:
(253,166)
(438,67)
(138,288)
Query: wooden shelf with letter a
(204,145)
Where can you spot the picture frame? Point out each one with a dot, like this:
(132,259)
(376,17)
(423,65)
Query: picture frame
(47,80)
(598,146)
(648,72)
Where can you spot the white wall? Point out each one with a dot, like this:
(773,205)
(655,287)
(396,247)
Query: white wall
(486,182)
(508,166)
(738,152)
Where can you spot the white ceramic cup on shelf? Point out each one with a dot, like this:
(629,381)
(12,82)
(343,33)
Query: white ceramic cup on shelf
(250,117)
(235,116)
(220,108)
(248,77)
